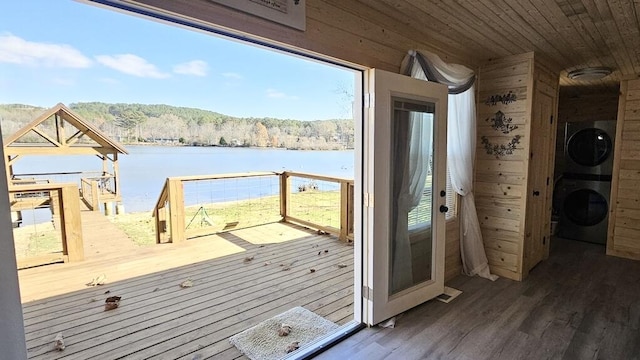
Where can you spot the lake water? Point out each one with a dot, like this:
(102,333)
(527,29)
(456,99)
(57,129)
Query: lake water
(144,170)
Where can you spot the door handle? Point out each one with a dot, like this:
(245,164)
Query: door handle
(443,209)
(536,193)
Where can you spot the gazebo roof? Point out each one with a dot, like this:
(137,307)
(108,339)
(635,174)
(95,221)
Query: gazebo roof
(62,141)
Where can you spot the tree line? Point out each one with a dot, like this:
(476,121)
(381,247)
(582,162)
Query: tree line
(172,125)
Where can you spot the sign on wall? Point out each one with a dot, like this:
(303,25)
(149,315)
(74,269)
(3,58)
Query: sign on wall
(287,12)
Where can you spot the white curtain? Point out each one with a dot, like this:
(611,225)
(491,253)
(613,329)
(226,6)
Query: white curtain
(461,145)
(412,154)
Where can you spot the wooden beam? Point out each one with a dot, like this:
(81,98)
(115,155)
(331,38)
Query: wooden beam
(32,150)
(75,137)
(11,160)
(41,260)
(62,137)
(223,176)
(46,137)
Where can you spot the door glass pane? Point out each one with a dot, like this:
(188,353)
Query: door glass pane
(411,242)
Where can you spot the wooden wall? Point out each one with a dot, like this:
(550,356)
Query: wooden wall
(512,189)
(348,31)
(624,211)
(500,184)
(587,107)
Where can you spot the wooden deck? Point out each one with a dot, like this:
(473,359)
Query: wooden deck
(159,319)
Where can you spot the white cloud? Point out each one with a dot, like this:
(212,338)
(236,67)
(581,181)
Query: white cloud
(195,67)
(132,65)
(16,50)
(232,75)
(275,94)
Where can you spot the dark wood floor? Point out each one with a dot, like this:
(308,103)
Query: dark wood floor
(579,304)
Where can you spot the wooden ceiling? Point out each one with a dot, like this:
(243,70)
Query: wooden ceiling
(570,34)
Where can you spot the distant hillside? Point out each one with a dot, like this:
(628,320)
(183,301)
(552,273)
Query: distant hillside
(165,124)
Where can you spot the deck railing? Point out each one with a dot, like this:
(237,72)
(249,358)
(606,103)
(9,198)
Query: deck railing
(318,201)
(98,189)
(64,202)
(194,206)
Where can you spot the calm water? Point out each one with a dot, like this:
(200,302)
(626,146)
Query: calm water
(144,171)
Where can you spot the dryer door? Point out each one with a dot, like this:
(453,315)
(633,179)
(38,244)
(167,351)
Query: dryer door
(590,147)
(585,207)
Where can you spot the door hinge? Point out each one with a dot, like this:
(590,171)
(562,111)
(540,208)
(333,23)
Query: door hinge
(368,100)
(551,119)
(547,181)
(367,292)
(367,200)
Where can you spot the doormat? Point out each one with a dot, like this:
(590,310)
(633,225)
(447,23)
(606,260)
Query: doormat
(449,295)
(262,341)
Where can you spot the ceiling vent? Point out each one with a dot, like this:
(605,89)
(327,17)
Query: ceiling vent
(591,73)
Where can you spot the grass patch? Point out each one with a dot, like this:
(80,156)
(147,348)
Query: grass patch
(321,207)
(36,240)
(139,227)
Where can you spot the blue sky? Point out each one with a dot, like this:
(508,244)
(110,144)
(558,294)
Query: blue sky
(66,51)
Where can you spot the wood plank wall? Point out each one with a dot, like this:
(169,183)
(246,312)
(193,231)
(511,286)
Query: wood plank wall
(624,212)
(347,31)
(501,183)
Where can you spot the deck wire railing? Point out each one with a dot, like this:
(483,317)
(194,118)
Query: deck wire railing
(315,201)
(319,201)
(192,206)
(214,205)
(36,229)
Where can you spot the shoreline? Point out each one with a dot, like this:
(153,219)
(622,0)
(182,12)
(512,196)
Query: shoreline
(232,147)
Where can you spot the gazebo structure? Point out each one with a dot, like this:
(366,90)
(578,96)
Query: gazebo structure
(59,131)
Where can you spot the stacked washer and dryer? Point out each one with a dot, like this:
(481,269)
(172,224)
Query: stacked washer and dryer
(582,193)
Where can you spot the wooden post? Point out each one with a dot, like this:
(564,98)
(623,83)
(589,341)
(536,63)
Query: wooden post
(95,196)
(56,209)
(71,223)
(350,216)
(285,195)
(9,174)
(344,210)
(160,215)
(176,210)
(116,175)
(108,208)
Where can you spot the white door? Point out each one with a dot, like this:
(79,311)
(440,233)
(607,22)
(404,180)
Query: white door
(404,193)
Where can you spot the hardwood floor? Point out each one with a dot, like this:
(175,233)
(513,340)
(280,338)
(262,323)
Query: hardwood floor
(578,304)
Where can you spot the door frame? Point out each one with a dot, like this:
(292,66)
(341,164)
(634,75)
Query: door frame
(380,88)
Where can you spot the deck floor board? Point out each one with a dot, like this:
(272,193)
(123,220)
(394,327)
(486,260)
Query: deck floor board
(159,319)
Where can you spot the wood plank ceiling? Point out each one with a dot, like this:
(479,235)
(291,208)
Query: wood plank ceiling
(570,34)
